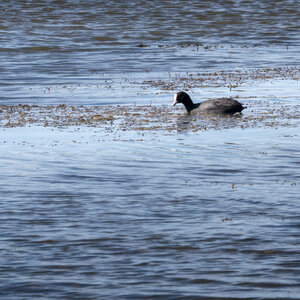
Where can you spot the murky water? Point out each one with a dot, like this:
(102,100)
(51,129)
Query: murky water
(197,209)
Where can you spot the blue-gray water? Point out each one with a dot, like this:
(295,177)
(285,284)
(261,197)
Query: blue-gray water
(91,213)
(70,51)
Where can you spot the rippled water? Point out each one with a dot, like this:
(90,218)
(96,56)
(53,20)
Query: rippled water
(99,213)
(87,52)
(85,215)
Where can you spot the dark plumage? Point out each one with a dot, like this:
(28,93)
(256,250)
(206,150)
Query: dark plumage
(214,106)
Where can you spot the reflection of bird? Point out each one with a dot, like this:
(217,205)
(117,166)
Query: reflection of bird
(215,106)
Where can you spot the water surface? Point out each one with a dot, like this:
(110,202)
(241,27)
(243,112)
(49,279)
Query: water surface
(75,52)
(141,202)
(88,215)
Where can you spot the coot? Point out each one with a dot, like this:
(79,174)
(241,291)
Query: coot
(214,106)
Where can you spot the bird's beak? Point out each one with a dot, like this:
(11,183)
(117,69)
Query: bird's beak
(175,100)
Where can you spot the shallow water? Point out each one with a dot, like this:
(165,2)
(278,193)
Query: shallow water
(141,202)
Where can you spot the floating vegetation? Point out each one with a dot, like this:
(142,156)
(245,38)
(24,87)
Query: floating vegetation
(231,79)
(165,83)
(148,118)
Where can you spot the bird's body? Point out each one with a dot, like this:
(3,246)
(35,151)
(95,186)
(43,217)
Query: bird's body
(214,106)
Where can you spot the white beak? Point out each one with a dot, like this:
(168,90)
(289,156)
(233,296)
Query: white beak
(175,100)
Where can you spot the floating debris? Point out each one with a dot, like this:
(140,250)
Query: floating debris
(166,119)
(141,45)
(231,79)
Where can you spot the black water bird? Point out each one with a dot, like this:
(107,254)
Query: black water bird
(214,106)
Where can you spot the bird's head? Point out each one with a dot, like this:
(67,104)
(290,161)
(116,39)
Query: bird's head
(181,97)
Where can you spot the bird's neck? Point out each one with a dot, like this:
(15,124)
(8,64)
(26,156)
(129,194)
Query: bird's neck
(189,105)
